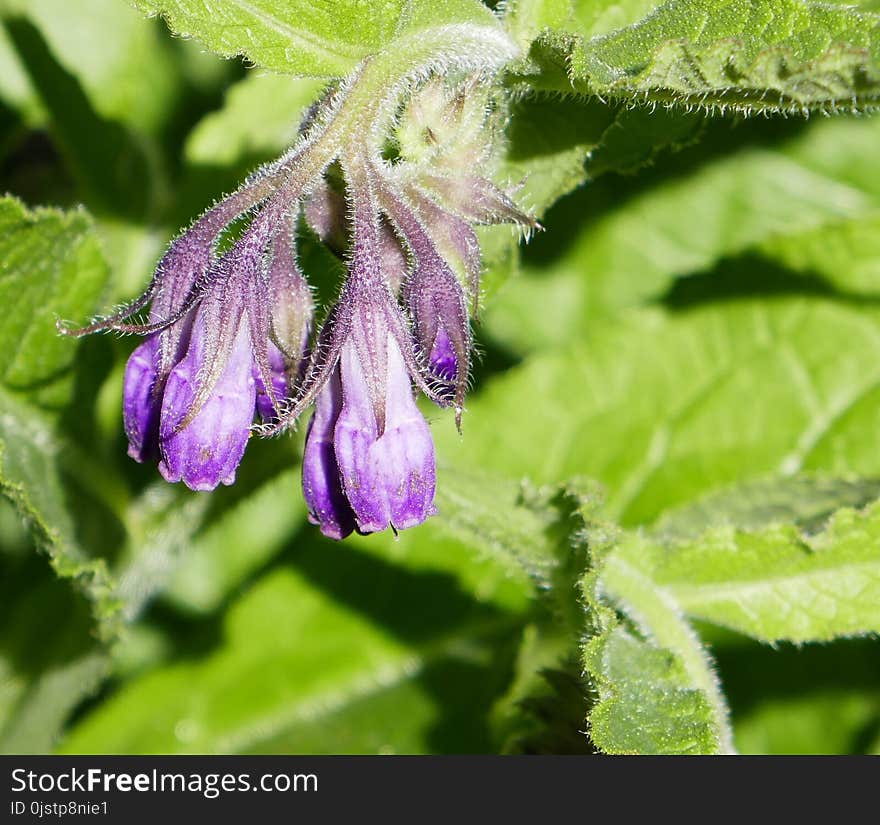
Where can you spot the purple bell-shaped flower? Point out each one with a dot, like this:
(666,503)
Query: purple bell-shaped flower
(368,462)
(369,456)
(204,449)
(229,347)
(241,334)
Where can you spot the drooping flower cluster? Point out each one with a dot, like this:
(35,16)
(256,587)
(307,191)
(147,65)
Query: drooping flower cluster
(231,338)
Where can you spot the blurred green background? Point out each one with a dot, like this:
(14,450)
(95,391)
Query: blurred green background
(707,322)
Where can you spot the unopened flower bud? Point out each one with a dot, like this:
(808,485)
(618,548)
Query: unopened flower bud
(392,258)
(444,127)
(278,371)
(325,214)
(291,305)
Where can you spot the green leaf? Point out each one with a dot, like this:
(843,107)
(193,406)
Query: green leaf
(500,250)
(597,17)
(549,141)
(15,89)
(638,136)
(844,253)
(727,392)
(358,647)
(806,501)
(303,38)
(259,119)
(110,166)
(508,534)
(816,722)
(746,55)
(52,264)
(555,145)
(53,267)
(776,583)
(733,194)
(31,478)
(196,550)
(545,707)
(233,545)
(658,692)
(496,516)
(526,19)
(648,702)
(546,533)
(803,700)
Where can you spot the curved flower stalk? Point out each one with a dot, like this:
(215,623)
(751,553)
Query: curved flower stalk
(230,342)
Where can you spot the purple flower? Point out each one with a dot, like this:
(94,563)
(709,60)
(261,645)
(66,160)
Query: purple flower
(229,337)
(202,446)
(368,465)
(443,360)
(322,486)
(386,464)
(140,412)
(224,358)
(369,456)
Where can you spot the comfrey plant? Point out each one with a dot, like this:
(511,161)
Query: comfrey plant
(393,173)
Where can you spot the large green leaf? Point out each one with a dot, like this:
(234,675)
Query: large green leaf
(784,197)
(775,583)
(664,407)
(312,39)
(52,265)
(357,647)
(747,55)
(658,692)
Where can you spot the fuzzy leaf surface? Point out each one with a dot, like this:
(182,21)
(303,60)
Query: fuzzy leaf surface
(748,55)
(304,38)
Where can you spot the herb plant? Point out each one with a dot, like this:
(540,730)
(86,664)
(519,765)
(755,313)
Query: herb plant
(634,508)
